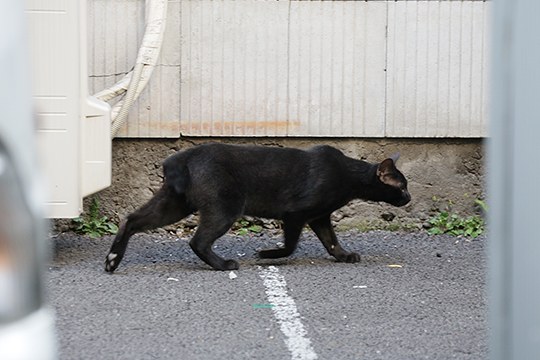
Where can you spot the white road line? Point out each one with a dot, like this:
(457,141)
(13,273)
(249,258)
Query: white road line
(287,315)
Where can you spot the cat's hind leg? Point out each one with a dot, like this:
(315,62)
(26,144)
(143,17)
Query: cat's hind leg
(325,232)
(164,208)
(292,230)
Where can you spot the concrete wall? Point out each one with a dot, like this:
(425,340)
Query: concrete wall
(440,172)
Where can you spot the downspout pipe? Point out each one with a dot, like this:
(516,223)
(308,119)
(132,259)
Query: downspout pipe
(135,81)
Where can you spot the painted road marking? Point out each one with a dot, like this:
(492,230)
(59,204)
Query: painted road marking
(286,313)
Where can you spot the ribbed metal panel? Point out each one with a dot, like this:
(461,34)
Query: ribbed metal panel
(279,68)
(437,73)
(336,68)
(302,68)
(234,68)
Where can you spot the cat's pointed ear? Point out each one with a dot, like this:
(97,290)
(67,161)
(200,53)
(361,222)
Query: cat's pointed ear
(387,167)
(395,157)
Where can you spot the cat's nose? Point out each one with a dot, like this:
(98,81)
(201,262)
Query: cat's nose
(405,198)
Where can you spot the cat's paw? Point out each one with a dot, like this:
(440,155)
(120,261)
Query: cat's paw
(230,265)
(350,258)
(111,262)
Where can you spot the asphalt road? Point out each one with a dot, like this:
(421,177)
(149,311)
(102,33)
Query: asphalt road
(413,296)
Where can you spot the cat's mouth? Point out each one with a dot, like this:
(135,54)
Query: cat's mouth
(404,200)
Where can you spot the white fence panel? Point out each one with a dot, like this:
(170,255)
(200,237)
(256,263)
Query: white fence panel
(437,73)
(337,68)
(234,68)
(302,68)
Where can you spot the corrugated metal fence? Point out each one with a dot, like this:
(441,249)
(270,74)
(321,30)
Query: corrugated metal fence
(302,68)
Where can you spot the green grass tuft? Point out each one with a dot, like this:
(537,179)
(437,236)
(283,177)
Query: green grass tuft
(93,224)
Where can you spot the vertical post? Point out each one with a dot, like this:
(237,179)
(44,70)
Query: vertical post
(514,181)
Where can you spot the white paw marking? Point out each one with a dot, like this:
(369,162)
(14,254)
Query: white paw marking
(111,256)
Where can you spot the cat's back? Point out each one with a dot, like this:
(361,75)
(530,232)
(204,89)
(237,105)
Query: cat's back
(326,151)
(244,154)
(244,158)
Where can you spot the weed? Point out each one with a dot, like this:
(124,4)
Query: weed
(482,205)
(446,222)
(93,224)
(244,227)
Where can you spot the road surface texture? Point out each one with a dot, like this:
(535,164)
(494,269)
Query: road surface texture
(413,296)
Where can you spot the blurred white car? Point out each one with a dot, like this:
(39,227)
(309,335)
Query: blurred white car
(26,323)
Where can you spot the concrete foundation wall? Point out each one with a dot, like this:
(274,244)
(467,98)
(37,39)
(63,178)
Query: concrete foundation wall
(441,173)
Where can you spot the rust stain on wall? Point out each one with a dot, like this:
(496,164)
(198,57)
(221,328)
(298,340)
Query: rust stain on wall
(271,127)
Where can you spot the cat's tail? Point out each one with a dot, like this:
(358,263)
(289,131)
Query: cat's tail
(176,174)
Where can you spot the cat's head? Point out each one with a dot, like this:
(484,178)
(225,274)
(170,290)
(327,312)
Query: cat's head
(392,185)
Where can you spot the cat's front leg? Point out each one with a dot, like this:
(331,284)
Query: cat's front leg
(325,232)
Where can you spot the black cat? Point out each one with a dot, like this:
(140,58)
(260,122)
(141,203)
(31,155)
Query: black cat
(298,187)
